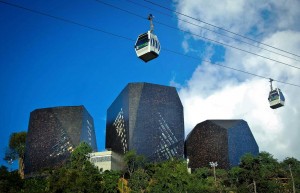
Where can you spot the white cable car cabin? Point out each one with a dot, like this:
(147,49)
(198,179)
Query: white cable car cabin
(147,46)
(276,98)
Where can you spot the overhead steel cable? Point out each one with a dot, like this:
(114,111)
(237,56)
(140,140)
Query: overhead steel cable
(213,31)
(133,40)
(211,40)
(228,67)
(230,46)
(223,29)
(206,61)
(63,19)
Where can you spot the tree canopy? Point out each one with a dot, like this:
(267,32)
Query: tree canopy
(262,173)
(16,150)
(16,146)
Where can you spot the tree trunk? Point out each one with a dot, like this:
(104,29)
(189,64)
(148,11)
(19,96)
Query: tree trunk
(294,190)
(254,184)
(21,167)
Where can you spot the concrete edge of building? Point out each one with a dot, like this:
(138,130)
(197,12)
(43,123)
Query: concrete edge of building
(107,160)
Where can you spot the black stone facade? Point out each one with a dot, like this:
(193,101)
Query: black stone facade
(221,141)
(147,118)
(53,133)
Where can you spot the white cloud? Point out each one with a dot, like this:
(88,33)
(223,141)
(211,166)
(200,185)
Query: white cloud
(288,14)
(214,92)
(233,15)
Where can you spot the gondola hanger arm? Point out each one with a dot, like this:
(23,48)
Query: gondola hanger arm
(150,18)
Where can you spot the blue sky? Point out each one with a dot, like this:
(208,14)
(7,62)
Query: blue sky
(45,62)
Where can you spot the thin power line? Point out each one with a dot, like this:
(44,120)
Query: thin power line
(166,25)
(236,39)
(207,23)
(132,40)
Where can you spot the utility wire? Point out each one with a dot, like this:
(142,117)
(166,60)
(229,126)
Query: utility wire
(223,29)
(132,40)
(236,39)
(227,45)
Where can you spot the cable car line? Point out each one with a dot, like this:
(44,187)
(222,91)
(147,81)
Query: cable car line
(227,45)
(176,28)
(223,29)
(228,67)
(133,40)
(221,34)
(65,20)
(129,12)
(231,68)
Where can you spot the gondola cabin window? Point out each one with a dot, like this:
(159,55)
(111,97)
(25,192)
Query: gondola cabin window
(142,42)
(273,96)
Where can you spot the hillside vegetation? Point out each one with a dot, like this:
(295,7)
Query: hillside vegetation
(260,173)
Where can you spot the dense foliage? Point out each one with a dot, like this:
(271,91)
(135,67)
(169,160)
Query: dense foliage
(16,150)
(260,173)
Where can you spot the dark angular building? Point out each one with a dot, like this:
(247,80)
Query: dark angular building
(147,118)
(53,133)
(221,141)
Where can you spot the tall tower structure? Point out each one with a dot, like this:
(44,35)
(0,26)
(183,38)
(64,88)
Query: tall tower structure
(147,118)
(53,133)
(221,141)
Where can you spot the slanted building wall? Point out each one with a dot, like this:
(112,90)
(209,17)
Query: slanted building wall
(147,118)
(221,141)
(53,133)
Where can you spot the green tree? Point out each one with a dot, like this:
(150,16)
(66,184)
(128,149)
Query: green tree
(202,180)
(80,156)
(170,176)
(249,174)
(270,172)
(79,175)
(222,180)
(133,161)
(35,185)
(139,181)
(75,180)
(10,156)
(109,181)
(10,182)
(233,178)
(259,173)
(16,150)
(291,166)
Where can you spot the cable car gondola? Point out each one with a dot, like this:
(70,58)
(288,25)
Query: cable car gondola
(147,46)
(276,98)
